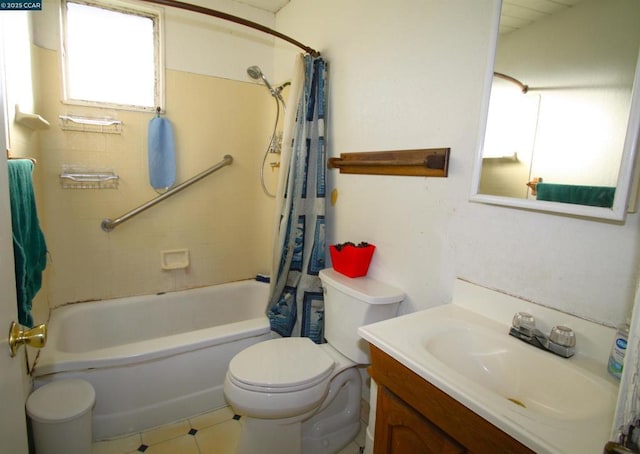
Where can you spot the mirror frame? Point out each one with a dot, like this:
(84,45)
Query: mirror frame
(628,163)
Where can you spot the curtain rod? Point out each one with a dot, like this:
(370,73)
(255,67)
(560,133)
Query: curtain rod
(235,19)
(524,88)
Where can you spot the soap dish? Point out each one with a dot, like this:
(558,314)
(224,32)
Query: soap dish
(174,259)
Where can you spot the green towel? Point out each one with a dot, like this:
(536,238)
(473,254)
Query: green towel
(598,196)
(29,247)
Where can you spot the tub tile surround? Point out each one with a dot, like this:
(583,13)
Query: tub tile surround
(213,432)
(127,260)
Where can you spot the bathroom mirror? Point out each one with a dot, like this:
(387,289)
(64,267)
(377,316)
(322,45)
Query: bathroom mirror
(561,110)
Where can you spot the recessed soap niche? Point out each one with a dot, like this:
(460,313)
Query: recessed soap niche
(174,259)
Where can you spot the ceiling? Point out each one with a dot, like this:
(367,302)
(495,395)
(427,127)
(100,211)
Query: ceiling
(515,13)
(268,5)
(520,13)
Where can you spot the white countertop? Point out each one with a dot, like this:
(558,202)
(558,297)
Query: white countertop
(416,340)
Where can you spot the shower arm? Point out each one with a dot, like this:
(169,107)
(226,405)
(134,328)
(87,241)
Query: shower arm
(109,224)
(234,19)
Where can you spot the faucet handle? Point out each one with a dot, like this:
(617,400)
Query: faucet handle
(563,335)
(524,321)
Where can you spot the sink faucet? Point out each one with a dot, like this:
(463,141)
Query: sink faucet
(561,341)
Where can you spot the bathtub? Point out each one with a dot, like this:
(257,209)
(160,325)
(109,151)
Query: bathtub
(154,359)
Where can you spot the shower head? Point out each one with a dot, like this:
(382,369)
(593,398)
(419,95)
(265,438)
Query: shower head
(256,73)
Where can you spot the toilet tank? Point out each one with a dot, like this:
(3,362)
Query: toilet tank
(353,302)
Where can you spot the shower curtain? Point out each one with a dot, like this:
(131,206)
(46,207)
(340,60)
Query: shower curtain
(296,303)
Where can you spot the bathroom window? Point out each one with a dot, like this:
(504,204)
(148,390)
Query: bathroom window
(111,55)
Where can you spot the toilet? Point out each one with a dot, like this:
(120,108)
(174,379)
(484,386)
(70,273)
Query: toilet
(298,397)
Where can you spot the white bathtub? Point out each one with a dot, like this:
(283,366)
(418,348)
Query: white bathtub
(154,359)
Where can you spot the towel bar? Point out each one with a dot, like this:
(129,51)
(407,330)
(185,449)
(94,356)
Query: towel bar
(430,162)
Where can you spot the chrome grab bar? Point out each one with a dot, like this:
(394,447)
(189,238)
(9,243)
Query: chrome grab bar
(110,224)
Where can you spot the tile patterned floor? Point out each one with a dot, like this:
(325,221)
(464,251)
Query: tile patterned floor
(215,432)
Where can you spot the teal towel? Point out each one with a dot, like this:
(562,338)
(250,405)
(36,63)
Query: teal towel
(598,196)
(29,247)
(161,151)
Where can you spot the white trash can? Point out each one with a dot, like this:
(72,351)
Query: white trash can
(60,414)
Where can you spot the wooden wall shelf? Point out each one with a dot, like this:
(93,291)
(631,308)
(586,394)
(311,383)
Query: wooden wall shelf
(429,162)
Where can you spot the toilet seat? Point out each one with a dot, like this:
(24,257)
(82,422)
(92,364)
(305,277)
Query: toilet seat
(280,366)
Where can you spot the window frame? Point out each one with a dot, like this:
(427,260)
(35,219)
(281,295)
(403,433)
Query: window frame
(157,17)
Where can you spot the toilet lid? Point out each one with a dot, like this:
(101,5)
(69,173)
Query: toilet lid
(281,364)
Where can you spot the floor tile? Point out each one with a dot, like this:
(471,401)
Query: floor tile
(215,432)
(164,433)
(219,439)
(186,444)
(117,445)
(212,418)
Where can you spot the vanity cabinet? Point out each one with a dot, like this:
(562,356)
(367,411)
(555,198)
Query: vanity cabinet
(413,416)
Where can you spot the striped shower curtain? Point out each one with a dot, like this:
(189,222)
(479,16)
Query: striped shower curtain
(296,303)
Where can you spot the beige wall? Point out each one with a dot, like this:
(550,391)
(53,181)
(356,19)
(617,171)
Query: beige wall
(404,74)
(224,220)
(409,74)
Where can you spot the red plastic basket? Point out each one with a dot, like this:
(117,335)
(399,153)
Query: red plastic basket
(352,261)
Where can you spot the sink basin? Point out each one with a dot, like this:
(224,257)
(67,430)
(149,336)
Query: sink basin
(552,405)
(521,374)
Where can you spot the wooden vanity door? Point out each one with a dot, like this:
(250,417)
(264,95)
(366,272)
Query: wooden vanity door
(402,430)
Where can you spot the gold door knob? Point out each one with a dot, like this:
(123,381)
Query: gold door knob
(35,337)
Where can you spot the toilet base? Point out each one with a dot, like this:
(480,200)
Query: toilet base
(324,431)
(338,422)
(332,443)
(269,436)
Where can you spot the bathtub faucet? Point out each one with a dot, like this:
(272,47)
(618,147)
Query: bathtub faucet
(561,341)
